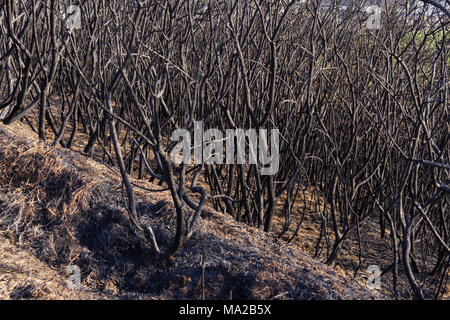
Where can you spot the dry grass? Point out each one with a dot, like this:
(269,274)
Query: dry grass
(22,276)
(58,207)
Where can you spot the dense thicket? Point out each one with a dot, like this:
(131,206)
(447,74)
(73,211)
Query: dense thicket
(363,113)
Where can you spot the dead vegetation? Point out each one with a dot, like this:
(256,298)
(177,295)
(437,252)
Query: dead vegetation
(59,208)
(23,276)
(361,115)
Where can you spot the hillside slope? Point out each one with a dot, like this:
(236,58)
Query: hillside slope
(60,208)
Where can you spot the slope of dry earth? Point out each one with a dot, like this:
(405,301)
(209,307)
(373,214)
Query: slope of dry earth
(60,208)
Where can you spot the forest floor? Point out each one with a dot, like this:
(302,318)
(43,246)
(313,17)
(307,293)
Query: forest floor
(60,208)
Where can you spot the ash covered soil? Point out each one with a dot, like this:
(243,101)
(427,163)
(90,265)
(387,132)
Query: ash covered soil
(61,208)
